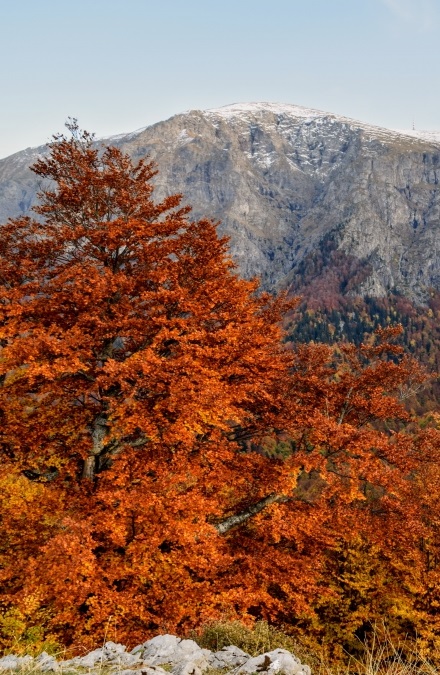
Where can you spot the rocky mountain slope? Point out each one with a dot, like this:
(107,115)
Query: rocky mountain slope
(288,184)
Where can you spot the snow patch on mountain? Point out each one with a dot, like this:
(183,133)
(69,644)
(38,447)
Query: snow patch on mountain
(243,109)
(319,117)
(430,136)
(124,136)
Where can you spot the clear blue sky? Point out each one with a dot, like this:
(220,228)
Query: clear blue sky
(119,65)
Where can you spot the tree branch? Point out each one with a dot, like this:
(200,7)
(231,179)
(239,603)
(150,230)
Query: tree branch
(240,518)
(41,477)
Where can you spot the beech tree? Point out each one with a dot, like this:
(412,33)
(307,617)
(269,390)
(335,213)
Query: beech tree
(166,460)
(128,344)
(124,323)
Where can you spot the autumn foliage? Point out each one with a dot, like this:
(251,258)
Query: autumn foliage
(166,461)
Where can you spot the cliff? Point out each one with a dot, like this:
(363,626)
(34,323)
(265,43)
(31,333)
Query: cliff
(288,182)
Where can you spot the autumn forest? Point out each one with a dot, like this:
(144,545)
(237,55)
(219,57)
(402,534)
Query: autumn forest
(173,453)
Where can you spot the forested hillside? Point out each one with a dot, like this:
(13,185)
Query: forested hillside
(331,311)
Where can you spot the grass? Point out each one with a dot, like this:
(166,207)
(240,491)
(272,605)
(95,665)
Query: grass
(379,656)
(254,641)
(383,657)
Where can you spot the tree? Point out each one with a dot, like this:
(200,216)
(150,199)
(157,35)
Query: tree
(128,344)
(124,322)
(158,441)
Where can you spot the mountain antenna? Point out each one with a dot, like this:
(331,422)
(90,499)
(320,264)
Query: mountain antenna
(414,125)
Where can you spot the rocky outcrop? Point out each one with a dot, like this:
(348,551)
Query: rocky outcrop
(162,654)
(286,182)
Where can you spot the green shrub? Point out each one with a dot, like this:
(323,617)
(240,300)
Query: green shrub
(253,640)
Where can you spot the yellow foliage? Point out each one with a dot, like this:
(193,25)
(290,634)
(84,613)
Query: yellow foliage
(24,630)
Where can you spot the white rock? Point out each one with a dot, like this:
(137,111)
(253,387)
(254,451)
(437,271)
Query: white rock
(12,662)
(145,670)
(160,649)
(46,663)
(90,660)
(276,661)
(137,649)
(188,649)
(190,667)
(229,657)
(112,650)
(9,662)
(185,657)
(172,650)
(110,653)
(125,660)
(193,662)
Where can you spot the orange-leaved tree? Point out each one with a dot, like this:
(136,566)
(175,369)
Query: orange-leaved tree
(165,459)
(134,362)
(373,473)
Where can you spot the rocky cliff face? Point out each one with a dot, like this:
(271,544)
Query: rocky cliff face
(287,182)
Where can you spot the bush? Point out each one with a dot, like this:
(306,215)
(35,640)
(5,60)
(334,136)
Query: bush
(253,640)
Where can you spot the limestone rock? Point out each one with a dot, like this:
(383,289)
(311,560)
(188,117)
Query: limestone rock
(276,661)
(144,670)
(288,182)
(12,662)
(110,653)
(229,657)
(191,667)
(159,649)
(185,656)
(46,663)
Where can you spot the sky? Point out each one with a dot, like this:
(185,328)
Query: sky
(118,65)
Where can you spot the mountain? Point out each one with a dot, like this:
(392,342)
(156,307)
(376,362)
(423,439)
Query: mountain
(303,194)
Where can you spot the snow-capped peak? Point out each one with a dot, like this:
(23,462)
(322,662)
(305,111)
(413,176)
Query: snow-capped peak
(235,109)
(247,110)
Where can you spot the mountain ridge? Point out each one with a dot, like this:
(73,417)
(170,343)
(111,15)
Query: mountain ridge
(286,182)
(228,110)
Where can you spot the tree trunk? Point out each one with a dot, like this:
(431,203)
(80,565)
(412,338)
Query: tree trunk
(98,432)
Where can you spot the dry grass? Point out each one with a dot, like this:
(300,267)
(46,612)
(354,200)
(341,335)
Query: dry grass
(254,641)
(383,657)
(380,656)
